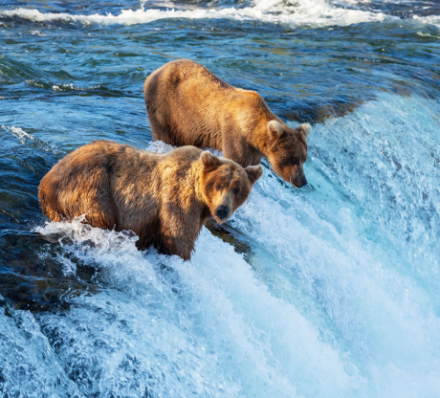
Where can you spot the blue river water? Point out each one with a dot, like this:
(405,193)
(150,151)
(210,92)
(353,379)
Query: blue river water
(331,290)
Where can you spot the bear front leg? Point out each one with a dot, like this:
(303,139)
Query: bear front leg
(176,245)
(160,131)
(236,148)
(178,236)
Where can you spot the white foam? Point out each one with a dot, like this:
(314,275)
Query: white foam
(20,133)
(26,138)
(37,33)
(159,147)
(431,20)
(29,366)
(315,12)
(71,87)
(208,326)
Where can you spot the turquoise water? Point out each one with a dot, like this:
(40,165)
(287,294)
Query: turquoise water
(331,290)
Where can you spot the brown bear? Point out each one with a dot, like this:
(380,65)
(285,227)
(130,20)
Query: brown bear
(163,198)
(188,105)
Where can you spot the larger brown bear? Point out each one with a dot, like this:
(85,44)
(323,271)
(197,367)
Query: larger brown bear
(188,105)
(163,198)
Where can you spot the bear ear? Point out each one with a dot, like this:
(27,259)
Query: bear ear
(275,129)
(254,173)
(209,160)
(306,129)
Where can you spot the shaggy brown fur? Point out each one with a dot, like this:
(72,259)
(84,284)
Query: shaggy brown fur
(188,105)
(163,198)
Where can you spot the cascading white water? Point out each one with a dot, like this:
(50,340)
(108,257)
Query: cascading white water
(337,297)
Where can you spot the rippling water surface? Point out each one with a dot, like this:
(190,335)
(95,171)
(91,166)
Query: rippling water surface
(327,291)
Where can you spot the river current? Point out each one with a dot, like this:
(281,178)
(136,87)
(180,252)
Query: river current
(331,290)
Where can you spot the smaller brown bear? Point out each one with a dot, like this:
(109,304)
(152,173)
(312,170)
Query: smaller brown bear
(189,105)
(163,198)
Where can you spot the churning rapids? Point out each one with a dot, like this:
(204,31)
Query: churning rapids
(331,290)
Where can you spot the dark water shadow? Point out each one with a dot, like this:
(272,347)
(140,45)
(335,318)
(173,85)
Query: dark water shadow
(32,278)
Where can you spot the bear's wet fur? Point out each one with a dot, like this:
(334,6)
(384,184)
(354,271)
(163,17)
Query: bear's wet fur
(188,105)
(163,198)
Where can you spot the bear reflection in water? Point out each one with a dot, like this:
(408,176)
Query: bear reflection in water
(163,198)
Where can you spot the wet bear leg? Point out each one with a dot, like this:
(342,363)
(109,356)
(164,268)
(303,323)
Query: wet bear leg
(236,148)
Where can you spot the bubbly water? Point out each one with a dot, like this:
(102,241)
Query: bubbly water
(331,290)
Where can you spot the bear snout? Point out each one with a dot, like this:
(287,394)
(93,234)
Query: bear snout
(298,182)
(222,212)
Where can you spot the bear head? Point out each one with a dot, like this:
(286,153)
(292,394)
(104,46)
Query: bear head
(225,185)
(287,151)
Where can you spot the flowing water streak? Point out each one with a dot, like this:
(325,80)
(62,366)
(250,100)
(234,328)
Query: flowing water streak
(371,262)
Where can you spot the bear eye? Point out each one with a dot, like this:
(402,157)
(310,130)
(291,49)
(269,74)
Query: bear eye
(218,187)
(236,191)
(294,160)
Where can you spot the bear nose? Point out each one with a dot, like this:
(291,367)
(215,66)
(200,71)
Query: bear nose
(302,182)
(299,182)
(222,212)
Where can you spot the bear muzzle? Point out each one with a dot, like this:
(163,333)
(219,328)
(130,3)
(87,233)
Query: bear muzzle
(298,181)
(222,212)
